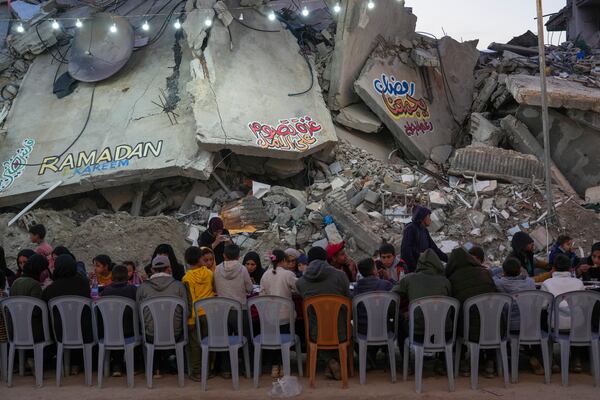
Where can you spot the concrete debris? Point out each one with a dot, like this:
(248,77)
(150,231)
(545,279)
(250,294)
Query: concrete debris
(360,118)
(244,214)
(437,199)
(205,202)
(424,58)
(441,154)
(592,195)
(333,235)
(496,163)
(34,40)
(484,132)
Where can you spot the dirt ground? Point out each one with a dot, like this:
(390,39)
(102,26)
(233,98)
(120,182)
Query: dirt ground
(378,386)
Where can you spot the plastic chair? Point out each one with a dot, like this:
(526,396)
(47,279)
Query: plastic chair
(436,310)
(112,310)
(581,307)
(162,310)
(494,311)
(19,310)
(376,306)
(270,310)
(326,309)
(217,338)
(70,309)
(531,305)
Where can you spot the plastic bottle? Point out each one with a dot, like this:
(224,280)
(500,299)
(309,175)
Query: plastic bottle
(94,293)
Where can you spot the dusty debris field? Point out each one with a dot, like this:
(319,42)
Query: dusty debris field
(378,387)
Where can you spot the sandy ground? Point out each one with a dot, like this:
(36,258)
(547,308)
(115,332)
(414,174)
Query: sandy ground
(378,386)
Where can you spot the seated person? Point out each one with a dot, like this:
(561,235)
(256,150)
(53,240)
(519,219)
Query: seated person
(564,245)
(337,258)
(589,271)
(391,263)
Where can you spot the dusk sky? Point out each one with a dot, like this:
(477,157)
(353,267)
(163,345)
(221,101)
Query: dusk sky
(487,20)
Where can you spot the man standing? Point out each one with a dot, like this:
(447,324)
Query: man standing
(416,239)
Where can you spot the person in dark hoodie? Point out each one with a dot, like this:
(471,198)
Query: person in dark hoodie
(161,283)
(590,270)
(60,250)
(9,275)
(216,237)
(67,282)
(523,250)
(416,238)
(22,257)
(469,278)
(564,245)
(321,278)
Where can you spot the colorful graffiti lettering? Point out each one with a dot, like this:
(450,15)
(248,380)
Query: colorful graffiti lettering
(407,107)
(294,134)
(418,128)
(14,166)
(85,163)
(393,87)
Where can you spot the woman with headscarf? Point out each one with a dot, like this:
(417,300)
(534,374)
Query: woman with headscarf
(254,266)
(9,275)
(68,282)
(61,250)
(176,267)
(22,257)
(215,237)
(29,285)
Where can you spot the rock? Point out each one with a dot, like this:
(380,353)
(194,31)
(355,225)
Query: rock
(359,117)
(333,235)
(338,182)
(335,168)
(358,198)
(372,197)
(561,93)
(592,195)
(201,201)
(424,58)
(283,217)
(314,206)
(298,213)
(477,218)
(377,216)
(484,131)
(296,197)
(441,154)
(484,95)
(438,219)
(304,233)
(437,199)
(316,218)
(486,205)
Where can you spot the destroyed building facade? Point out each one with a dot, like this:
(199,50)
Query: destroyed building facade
(580,19)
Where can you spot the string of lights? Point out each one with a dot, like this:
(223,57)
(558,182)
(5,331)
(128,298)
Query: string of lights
(79,22)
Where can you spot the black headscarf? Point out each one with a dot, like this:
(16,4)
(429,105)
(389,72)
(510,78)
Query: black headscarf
(65,266)
(34,266)
(257,274)
(519,243)
(177,268)
(8,274)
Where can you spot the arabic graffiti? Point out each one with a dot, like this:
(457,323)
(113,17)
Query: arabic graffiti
(294,134)
(402,103)
(14,166)
(417,128)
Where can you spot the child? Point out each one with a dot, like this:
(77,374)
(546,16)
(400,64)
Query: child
(198,281)
(590,271)
(292,256)
(232,279)
(37,234)
(564,245)
(102,274)
(390,263)
(254,265)
(302,263)
(280,281)
(133,277)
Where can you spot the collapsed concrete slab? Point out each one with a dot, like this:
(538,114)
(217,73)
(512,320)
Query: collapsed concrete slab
(359,117)
(128,138)
(417,104)
(357,32)
(496,163)
(572,146)
(561,93)
(247,90)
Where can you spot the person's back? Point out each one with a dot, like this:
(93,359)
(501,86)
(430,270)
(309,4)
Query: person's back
(369,283)
(512,281)
(161,284)
(67,282)
(29,285)
(120,287)
(562,282)
(321,278)
(232,279)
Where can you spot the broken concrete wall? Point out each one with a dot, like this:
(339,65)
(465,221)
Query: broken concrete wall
(357,32)
(128,138)
(573,146)
(424,107)
(243,90)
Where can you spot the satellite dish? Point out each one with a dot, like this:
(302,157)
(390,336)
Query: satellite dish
(99,50)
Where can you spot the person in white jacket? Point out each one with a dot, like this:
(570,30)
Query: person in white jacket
(562,282)
(278,280)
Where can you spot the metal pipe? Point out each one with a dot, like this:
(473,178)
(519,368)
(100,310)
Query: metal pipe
(33,203)
(545,122)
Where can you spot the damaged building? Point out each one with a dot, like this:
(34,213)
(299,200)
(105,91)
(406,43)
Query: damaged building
(239,108)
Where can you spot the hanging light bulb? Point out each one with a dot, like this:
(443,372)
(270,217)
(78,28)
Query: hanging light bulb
(371,5)
(55,25)
(78,23)
(305,12)
(271,16)
(145,26)
(337,8)
(177,24)
(113,28)
(20,28)
(208,22)
(241,18)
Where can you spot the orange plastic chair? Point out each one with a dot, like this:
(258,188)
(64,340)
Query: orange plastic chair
(327,309)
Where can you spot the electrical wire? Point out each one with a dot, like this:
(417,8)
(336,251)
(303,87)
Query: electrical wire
(62,61)
(253,28)
(85,124)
